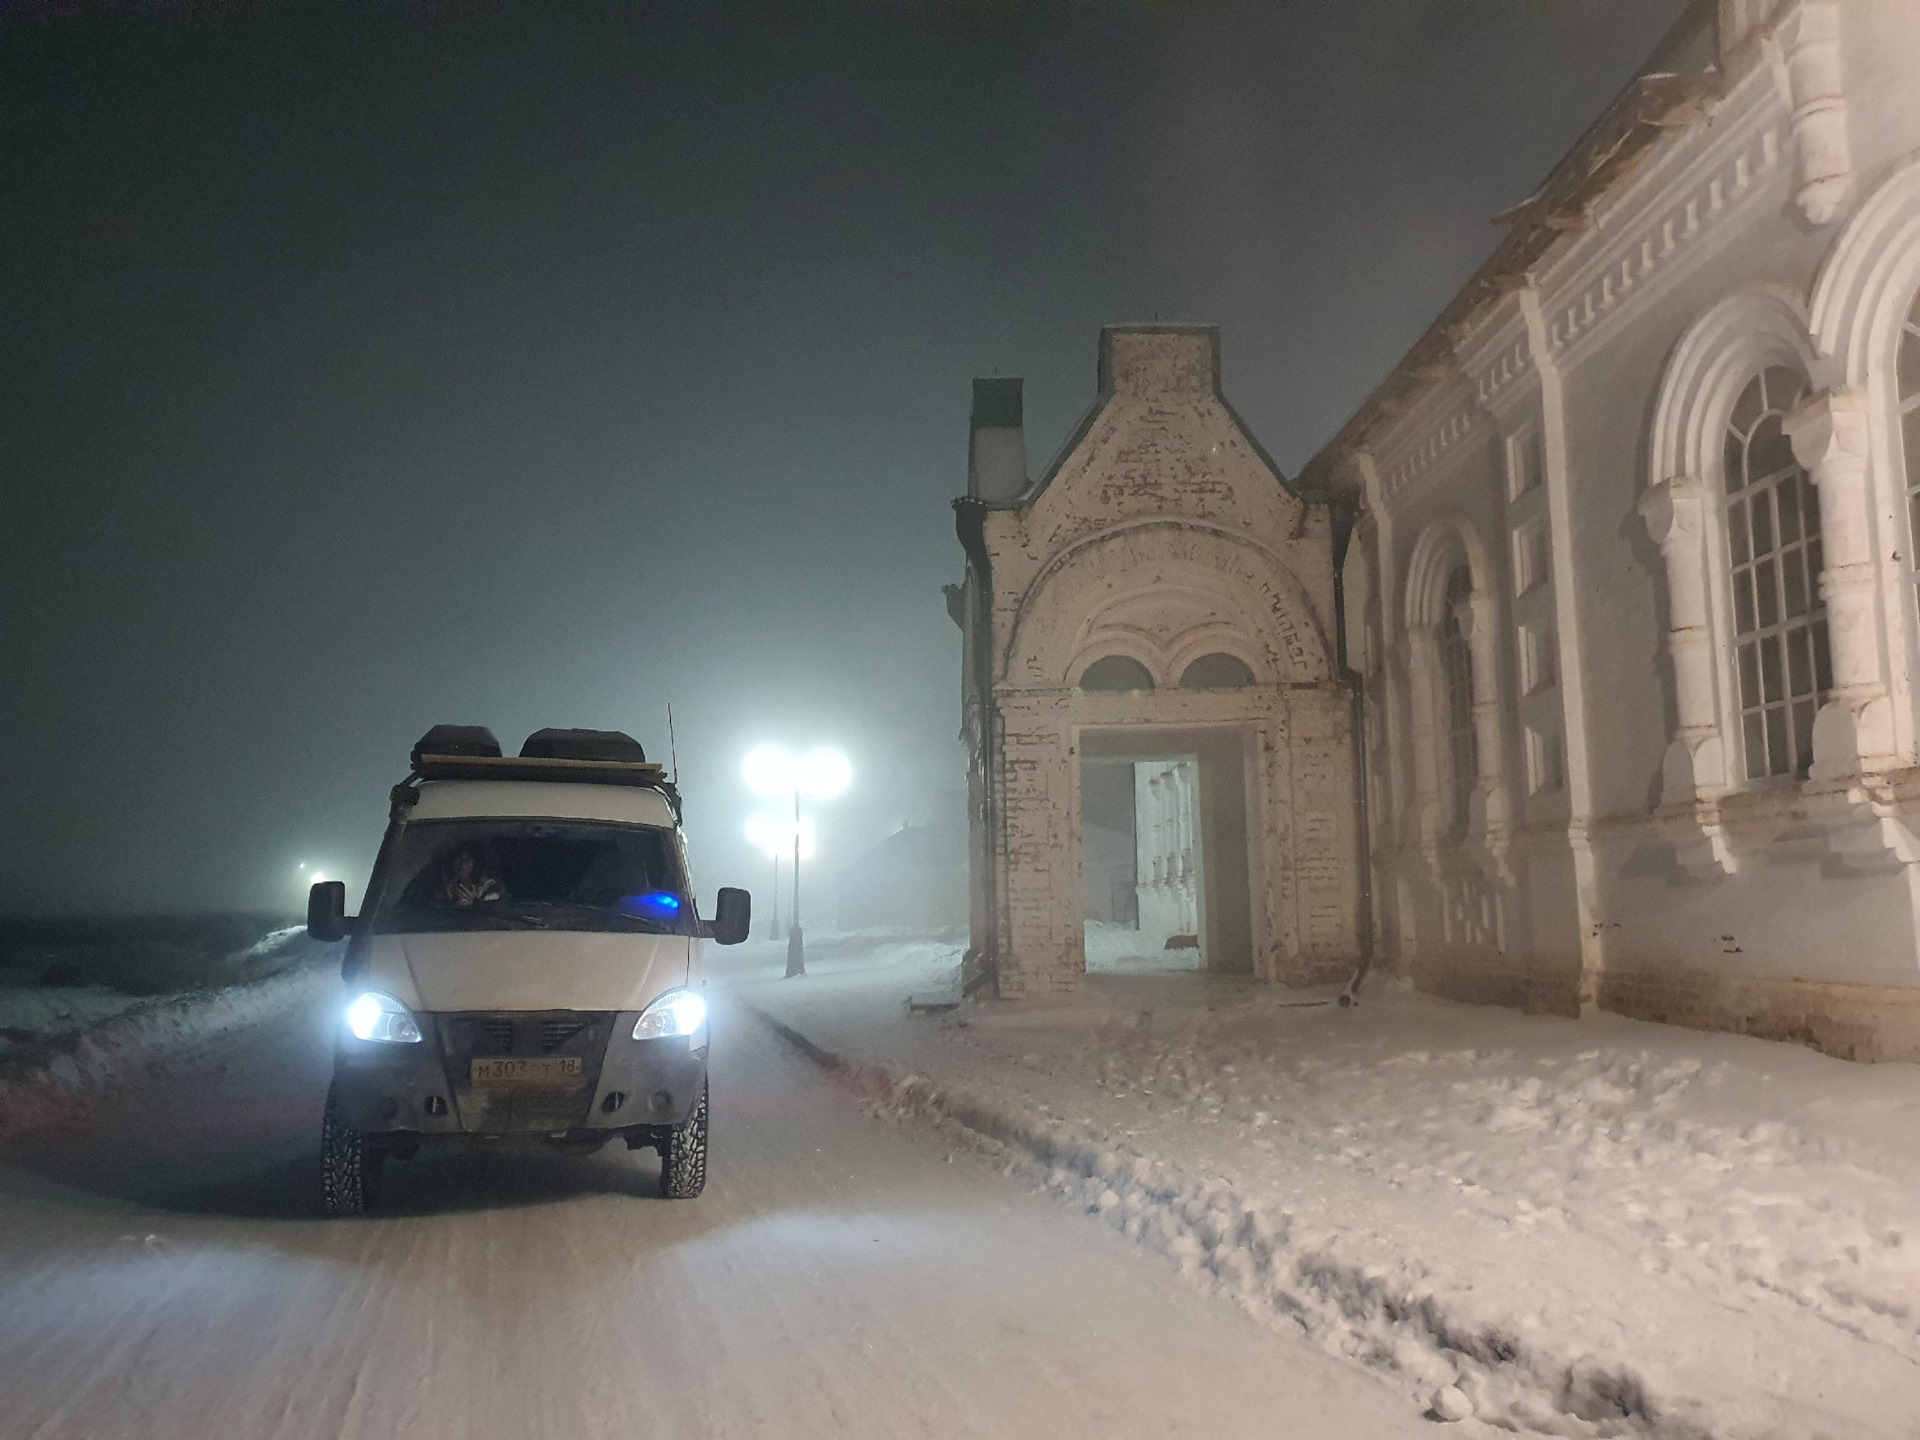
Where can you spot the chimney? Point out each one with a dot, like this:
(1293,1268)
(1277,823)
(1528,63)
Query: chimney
(997,446)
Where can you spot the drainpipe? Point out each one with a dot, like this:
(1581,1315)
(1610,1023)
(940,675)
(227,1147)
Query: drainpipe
(969,517)
(1346,513)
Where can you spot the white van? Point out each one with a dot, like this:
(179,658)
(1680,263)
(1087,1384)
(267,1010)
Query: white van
(526,967)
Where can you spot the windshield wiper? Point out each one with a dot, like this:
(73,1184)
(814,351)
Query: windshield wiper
(515,917)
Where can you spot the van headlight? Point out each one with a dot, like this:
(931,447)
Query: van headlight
(678,1012)
(381,1017)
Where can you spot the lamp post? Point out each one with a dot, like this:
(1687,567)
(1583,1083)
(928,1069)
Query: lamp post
(820,774)
(774,835)
(773,920)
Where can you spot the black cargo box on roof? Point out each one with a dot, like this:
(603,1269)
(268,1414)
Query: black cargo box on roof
(611,745)
(454,740)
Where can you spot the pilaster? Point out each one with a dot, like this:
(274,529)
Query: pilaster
(1694,773)
(1853,733)
(1808,57)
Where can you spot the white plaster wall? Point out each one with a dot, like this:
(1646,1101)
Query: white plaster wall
(1716,208)
(1610,400)
(1879,43)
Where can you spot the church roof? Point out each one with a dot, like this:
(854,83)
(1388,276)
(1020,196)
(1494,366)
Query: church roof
(1668,90)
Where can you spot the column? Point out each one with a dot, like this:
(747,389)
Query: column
(1040,896)
(1853,732)
(1695,765)
(1809,45)
(1423,665)
(1482,624)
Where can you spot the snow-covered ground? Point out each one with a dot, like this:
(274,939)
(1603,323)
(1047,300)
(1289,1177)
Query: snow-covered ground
(67,1046)
(35,1015)
(1123,950)
(1593,1227)
(165,1274)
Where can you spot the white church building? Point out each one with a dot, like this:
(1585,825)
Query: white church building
(1612,581)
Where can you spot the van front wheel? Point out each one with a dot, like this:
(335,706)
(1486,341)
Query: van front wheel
(349,1166)
(683,1159)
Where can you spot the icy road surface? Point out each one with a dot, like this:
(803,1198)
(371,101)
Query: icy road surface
(165,1274)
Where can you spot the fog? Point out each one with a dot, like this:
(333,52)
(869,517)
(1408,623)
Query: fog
(527,366)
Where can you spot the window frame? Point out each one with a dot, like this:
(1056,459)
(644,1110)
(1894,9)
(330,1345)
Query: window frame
(1735,643)
(1745,332)
(1459,727)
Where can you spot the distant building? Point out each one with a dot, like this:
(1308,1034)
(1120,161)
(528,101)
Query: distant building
(1632,593)
(916,878)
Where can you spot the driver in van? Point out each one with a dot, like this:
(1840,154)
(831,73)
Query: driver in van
(466,885)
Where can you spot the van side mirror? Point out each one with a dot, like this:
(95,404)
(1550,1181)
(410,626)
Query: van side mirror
(327,910)
(732,917)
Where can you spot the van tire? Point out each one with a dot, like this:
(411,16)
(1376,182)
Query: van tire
(683,1158)
(349,1166)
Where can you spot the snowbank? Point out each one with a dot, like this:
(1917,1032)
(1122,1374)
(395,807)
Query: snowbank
(35,1016)
(77,1053)
(1581,1228)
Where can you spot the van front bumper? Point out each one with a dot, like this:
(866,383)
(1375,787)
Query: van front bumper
(427,1088)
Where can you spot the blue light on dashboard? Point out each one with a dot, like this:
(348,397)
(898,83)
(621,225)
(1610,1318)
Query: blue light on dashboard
(654,905)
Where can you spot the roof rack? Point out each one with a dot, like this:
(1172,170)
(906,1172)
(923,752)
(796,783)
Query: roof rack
(535,767)
(590,757)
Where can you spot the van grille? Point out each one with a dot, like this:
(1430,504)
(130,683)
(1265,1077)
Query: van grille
(528,1034)
(466,1036)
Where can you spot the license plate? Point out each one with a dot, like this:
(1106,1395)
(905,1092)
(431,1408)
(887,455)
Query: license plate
(534,1072)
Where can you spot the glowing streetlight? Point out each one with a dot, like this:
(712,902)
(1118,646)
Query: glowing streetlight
(773,774)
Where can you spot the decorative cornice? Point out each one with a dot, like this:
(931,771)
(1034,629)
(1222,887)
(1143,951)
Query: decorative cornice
(1506,368)
(1430,449)
(1643,236)
(1617,270)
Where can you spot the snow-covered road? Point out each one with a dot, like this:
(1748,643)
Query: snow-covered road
(164,1274)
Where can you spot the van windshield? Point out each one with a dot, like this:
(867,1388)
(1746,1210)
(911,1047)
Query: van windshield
(533,874)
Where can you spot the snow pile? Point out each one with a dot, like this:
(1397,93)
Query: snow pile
(1576,1228)
(33,1016)
(74,1065)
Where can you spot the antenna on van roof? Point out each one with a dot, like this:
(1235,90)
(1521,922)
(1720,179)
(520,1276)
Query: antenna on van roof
(673,748)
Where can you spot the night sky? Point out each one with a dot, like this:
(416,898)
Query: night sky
(539,365)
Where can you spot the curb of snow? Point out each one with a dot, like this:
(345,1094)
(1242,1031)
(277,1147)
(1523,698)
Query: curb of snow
(1379,1311)
(139,1042)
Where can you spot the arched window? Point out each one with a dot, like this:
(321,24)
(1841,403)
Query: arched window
(1217,672)
(1116,672)
(1456,670)
(1773,541)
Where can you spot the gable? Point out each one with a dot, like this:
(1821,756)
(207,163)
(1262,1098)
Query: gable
(1160,441)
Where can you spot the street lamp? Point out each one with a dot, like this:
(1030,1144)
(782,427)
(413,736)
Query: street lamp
(773,834)
(773,774)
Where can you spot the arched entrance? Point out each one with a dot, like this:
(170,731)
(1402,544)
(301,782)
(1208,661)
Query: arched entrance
(1153,616)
